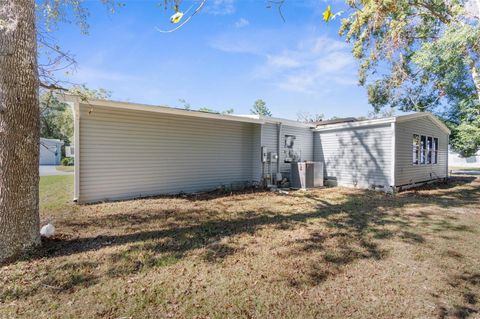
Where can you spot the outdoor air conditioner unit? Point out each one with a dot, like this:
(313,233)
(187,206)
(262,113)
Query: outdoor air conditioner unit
(314,177)
(306,174)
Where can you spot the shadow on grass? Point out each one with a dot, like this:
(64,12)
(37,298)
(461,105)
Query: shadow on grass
(361,213)
(359,224)
(466,283)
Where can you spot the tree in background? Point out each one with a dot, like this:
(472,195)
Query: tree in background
(56,118)
(421,55)
(380,114)
(187,106)
(306,117)
(260,108)
(209,110)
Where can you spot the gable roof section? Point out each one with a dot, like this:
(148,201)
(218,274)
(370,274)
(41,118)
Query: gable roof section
(433,118)
(399,119)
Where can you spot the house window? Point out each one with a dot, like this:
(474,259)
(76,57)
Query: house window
(415,149)
(429,149)
(423,149)
(435,150)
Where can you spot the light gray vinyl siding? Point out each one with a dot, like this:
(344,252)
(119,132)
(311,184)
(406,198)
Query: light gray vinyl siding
(303,143)
(269,140)
(360,157)
(256,156)
(126,154)
(405,171)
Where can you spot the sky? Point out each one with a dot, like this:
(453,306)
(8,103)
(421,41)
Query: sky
(229,55)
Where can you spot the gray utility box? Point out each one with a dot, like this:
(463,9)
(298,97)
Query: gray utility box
(306,174)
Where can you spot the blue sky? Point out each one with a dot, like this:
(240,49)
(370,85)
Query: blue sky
(229,55)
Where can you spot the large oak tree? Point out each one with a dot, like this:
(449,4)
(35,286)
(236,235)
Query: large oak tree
(19,128)
(421,55)
(24,32)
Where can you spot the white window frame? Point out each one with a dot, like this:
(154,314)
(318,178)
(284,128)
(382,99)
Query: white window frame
(416,149)
(427,152)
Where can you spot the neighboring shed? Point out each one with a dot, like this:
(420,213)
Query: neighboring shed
(50,151)
(395,152)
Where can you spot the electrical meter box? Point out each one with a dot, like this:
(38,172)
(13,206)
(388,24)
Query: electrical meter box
(264,154)
(272,157)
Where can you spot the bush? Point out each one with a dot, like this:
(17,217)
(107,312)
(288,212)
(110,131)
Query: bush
(67,161)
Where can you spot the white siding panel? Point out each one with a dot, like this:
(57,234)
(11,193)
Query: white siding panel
(125,153)
(359,157)
(256,156)
(269,139)
(405,171)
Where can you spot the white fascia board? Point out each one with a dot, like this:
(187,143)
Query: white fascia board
(329,127)
(277,120)
(167,110)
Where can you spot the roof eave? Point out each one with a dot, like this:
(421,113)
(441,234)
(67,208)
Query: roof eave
(160,109)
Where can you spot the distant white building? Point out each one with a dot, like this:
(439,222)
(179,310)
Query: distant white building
(50,151)
(455,159)
(69,151)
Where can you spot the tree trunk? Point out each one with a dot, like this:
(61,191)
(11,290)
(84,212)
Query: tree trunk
(19,129)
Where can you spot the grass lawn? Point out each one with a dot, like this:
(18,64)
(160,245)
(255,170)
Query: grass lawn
(324,253)
(56,193)
(65,168)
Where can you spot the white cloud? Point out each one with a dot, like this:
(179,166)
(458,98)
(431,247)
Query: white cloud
(220,7)
(304,64)
(242,22)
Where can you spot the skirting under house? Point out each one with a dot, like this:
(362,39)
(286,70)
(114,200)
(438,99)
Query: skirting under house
(126,150)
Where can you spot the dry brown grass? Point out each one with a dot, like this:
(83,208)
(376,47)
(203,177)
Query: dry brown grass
(324,253)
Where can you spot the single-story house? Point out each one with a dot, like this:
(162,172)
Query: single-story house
(50,151)
(127,150)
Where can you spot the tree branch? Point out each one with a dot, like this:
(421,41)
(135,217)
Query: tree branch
(186,21)
(52,86)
